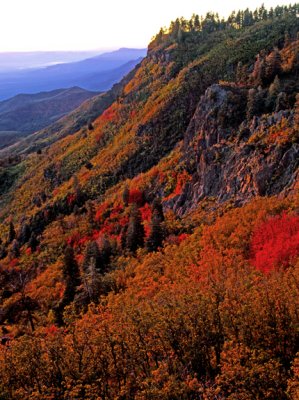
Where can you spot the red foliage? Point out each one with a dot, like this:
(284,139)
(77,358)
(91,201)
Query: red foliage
(136,196)
(75,240)
(146,214)
(14,263)
(275,243)
(51,330)
(79,258)
(116,211)
(95,234)
(123,221)
(182,237)
(109,114)
(182,179)
(71,198)
(133,114)
(102,212)
(112,221)
(176,240)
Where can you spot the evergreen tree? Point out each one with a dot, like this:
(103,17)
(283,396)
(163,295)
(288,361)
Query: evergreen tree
(273,65)
(90,126)
(159,37)
(287,39)
(25,233)
(3,251)
(255,103)
(33,242)
(11,232)
(70,267)
(271,13)
(296,117)
(158,208)
(232,19)
(91,215)
(241,74)
(250,104)
(258,74)
(71,276)
(239,19)
(123,237)
(77,190)
(196,23)
(174,28)
(247,18)
(273,92)
(126,195)
(135,232)
(263,13)
(281,102)
(15,249)
(155,239)
(76,210)
(180,35)
(105,251)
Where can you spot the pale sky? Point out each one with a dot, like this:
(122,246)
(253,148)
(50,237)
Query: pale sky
(31,25)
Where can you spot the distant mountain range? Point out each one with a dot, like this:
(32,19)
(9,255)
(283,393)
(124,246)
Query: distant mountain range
(97,73)
(71,123)
(13,61)
(26,113)
(45,102)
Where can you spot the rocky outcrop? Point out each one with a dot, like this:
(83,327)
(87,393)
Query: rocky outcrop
(225,163)
(218,114)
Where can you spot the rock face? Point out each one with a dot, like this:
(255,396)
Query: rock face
(224,162)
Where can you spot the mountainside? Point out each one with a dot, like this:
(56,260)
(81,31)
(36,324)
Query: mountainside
(27,113)
(150,239)
(97,74)
(80,118)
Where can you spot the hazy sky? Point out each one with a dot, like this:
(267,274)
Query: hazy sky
(27,25)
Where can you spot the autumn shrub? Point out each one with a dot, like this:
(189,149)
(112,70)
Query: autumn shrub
(275,242)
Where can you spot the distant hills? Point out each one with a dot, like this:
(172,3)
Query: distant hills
(13,61)
(26,113)
(45,102)
(71,123)
(97,73)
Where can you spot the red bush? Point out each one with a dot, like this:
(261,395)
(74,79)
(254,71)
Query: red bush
(109,114)
(71,199)
(136,196)
(146,214)
(102,212)
(275,243)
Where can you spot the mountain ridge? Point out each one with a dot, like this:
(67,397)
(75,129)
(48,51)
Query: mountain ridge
(30,113)
(72,74)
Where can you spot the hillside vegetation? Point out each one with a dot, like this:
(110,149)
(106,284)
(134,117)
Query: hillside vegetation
(150,239)
(30,113)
